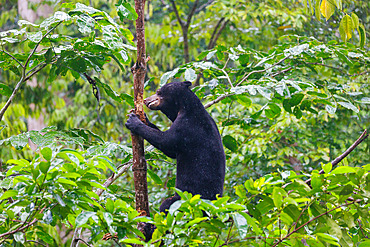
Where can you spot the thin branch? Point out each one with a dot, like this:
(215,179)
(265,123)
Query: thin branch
(282,71)
(114,177)
(221,97)
(34,241)
(177,13)
(80,239)
(329,66)
(23,77)
(219,33)
(313,219)
(192,13)
(204,6)
(37,45)
(262,70)
(337,160)
(214,32)
(363,136)
(7,53)
(19,229)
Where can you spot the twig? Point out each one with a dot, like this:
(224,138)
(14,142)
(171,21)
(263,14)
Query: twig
(34,241)
(114,177)
(313,219)
(181,22)
(7,53)
(80,239)
(214,32)
(337,160)
(219,33)
(217,100)
(262,70)
(23,77)
(192,13)
(363,136)
(19,229)
(204,6)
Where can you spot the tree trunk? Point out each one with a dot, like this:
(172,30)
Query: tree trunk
(139,164)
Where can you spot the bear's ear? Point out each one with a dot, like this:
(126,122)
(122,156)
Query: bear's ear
(187,83)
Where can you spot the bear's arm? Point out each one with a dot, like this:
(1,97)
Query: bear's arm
(150,124)
(164,141)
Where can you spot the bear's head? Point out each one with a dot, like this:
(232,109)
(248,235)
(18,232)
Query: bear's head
(170,98)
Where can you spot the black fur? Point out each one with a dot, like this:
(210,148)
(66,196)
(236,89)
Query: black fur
(193,140)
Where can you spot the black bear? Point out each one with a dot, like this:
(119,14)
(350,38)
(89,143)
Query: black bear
(193,140)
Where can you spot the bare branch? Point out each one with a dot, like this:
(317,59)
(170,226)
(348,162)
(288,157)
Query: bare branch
(204,6)
(219,33)
(191,13)
(337,160)
(262,70)
(210,44)
(10,55)
(221,97)
(23,77)
(19,229)
(181,22)
(114,177)
(313,219)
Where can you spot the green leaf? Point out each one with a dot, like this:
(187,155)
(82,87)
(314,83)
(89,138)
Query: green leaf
(327,8)
(44,166)
(34,37)
(9,193)
(297,112)
(244,100)
(5,90)
(327,167)
(326,238)
(366,243)
(126,11)
(109,205)
(343,169)
(230,143)
(241,224)
(362,34)
(349,105)
(155,177)
(190,75)
(355,21)
(273,111)
(296,99)
(277,197)
(66,181)
(46,153)
(83,217)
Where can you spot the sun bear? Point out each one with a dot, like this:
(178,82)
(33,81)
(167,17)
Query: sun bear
(193,140)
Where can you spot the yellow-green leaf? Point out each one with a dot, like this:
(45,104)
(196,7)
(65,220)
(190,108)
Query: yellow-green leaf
(317,10)
(345,28)
(355,20)
(338,3)
(327,8)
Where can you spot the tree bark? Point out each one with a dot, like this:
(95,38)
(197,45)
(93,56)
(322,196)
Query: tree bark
(139,163)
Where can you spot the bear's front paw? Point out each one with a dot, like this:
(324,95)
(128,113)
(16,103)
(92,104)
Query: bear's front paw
(133,121)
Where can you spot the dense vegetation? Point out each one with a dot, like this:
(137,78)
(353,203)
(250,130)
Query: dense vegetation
(286,82)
